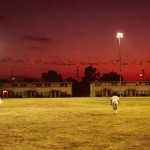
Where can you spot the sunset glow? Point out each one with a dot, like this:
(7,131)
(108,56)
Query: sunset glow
(37,36)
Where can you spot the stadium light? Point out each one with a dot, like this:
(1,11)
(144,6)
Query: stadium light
(120,36)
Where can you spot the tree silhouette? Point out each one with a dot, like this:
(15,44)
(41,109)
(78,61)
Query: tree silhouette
(52,76)
(90,75)
(75,86)
(111,76)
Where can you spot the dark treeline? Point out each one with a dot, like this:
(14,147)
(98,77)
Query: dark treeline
(82,87)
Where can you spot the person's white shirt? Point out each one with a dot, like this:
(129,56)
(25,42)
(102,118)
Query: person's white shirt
(114,102)
(115,99)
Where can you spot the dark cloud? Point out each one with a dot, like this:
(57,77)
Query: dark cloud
(36,38)
(28,59)
(147,61)
(141,62)
(134,62)
(105,63)
(20,61)
(89,63)
(38,61)
(69,63)
(82,63)
(124,64)
(137,62)
(54,63)
(47,62)
(6,60)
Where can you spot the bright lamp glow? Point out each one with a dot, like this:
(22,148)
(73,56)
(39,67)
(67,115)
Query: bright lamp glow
(119,35)
(141,75)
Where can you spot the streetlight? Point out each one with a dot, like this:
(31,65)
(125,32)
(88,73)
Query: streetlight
(119,36)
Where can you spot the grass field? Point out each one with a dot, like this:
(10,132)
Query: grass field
(74,124)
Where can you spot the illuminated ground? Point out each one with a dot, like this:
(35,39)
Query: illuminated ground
(74,124)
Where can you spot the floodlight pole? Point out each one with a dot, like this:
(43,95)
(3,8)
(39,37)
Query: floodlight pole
(119,36)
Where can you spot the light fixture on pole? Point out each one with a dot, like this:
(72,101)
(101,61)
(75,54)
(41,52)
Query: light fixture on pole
(119,36)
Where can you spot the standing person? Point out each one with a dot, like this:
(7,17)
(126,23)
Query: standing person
(114,102)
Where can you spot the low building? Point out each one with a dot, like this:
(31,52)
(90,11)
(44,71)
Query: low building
(35,89)
(128,88)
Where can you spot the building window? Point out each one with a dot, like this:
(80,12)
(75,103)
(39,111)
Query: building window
(47,84)
(123,83)
(63,84)
(145,92)
(23,85)
(98,93)
(14,85)
(38,85)
(147,83)
(113,83)
(98,84)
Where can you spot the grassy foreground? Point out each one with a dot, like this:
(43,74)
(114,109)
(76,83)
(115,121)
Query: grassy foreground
(74,124)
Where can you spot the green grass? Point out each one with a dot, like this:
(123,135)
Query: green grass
(74,124)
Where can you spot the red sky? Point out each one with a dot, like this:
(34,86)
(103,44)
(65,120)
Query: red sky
(41,35)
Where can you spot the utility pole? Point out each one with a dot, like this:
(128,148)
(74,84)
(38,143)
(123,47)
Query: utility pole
(120,36)
(77,73)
